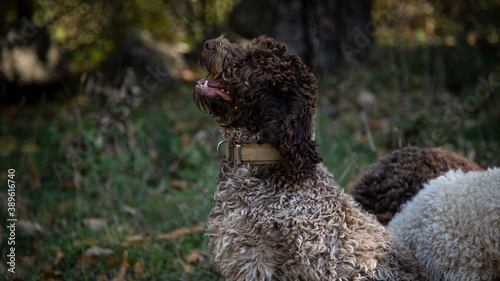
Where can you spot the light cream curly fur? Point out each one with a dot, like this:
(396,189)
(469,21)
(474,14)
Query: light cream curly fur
(453,226)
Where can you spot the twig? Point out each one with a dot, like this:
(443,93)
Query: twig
(368,132)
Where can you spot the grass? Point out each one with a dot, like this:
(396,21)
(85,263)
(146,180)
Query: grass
(81,184)
(111,199)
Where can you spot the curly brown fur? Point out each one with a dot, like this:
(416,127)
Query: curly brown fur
(399,176)
(272,93)
(287,221)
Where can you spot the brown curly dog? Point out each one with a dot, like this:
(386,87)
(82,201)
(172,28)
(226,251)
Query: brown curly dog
(398,177)
(278,214)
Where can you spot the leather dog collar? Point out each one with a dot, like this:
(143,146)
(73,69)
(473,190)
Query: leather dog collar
(252,153)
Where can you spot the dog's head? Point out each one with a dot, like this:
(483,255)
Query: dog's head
(263,89)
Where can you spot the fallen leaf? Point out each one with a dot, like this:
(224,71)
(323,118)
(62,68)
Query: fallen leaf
(123,268)
(366,99)
(138,269)
(34,178)
(68,184)
(28,227)
(96,251)
(134,240)
(94,223)
(27,261)
(88,242)
(102,278)
(84,261)
(131,211)
(175,234)
(59,256)
(114,261)
(185,140)
(179,184)
(194,256)
(197,256)
(383,125)
(189,269)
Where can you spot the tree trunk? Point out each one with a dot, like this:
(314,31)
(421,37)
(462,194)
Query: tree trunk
(25,9)
(322,32)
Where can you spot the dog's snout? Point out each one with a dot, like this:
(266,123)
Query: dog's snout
(209,45)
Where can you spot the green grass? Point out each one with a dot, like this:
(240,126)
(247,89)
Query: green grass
(163,182)
(158,175)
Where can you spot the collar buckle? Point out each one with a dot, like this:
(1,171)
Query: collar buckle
(233,151)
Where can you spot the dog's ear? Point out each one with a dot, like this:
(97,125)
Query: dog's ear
(266,43)
(293,136)
(287,103)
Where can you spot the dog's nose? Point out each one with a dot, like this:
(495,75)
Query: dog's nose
(209,45)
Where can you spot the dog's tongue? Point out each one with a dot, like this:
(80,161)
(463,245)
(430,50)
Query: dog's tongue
(213,87)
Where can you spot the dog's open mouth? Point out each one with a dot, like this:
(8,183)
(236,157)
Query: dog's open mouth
(213,88)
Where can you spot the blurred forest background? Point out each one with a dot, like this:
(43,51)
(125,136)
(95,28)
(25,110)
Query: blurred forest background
(115,168)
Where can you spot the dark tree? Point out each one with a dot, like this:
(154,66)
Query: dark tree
(323,32)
